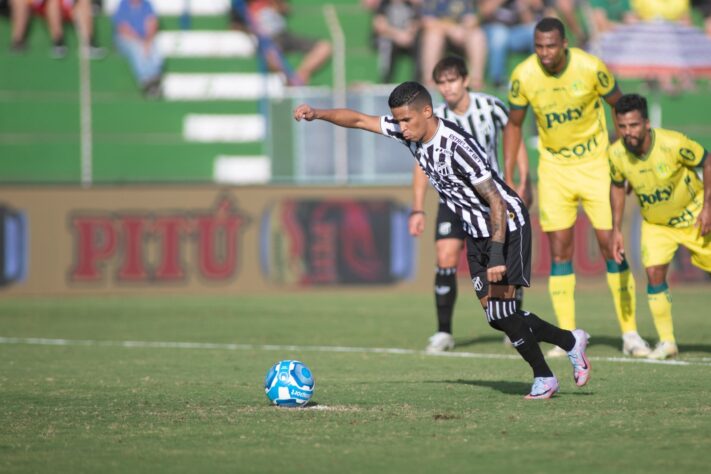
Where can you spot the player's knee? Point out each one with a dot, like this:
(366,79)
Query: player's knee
(448,254)
(656,275)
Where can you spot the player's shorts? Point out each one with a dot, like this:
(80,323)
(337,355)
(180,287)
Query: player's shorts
(660,242)
(449,225)
(66,6)
(562,187)
(517,253)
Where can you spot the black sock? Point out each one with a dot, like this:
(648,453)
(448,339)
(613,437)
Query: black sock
(515,327)
(445,295)
(546,332)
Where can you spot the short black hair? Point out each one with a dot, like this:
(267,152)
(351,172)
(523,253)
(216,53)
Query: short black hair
(450,63)
(409,93)
(631,102)
(550,23)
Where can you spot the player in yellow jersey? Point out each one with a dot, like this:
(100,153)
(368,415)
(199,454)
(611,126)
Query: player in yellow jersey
(671,176)
(565,88)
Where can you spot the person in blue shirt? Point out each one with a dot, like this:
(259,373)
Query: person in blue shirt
(135,27)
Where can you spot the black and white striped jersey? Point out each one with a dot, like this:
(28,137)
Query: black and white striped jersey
(485,120)
(454,163)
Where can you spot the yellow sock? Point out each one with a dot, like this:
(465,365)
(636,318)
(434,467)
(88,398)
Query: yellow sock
(660,305)
(561,287)
(621,283)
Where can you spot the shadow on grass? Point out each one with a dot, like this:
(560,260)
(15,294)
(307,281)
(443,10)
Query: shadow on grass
(504,386)
(694,348)
(472,341)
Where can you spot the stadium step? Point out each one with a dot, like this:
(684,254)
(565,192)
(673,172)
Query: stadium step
(242,169)
(221,86)
(177,7)
(206,44)
(223,128)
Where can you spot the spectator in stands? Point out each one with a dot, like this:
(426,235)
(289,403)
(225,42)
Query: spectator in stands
(509,26)
(667,10)
(606,14)
(267,18)
(396,26)
(56,13)
(704,8)
(678,11)
(568,10)
(452,21)
(135,28)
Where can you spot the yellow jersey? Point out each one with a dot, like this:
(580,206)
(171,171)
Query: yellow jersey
(568,108)
(670,10)
(669,189)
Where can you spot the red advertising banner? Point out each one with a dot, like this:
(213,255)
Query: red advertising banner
(66,240)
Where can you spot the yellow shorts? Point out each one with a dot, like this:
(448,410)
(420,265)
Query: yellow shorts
(659,243)
(562,187)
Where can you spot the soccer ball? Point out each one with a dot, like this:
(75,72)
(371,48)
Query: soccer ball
(289,383)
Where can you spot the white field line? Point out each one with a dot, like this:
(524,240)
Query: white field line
(705,361)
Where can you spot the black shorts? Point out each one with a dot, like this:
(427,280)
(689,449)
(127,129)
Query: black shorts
(449,225)
(517,253)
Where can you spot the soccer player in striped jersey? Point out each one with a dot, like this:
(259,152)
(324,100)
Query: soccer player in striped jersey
(565,88)
(671,176)
(497,222)
(483,116)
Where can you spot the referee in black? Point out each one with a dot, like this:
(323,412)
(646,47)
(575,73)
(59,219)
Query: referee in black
(497,222)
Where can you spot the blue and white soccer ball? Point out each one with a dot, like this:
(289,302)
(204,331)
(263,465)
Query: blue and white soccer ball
(289,383)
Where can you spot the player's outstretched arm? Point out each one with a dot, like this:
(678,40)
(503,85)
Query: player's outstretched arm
(342,117)
(497,215)
(512,145)
(617,201)
(416,222)
(704,219)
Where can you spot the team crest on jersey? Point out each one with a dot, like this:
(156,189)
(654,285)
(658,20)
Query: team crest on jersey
(445,228)
(443,168)
(603,79)
(663,170)
(478,284)
(515,88)
(687,154)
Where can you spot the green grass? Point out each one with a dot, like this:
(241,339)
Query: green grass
(106,408)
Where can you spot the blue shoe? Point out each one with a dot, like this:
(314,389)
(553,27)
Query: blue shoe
(543,387)
(581,364)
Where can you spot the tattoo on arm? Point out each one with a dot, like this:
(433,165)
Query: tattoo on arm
(488,191)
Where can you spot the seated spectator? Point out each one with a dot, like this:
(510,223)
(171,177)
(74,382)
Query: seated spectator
(568,13)
(396,26)
(135,27)
(452,21)
(267,19)
(606,14)
(704,8)
(56,13)
(667,10)
(678,11)
(509,26)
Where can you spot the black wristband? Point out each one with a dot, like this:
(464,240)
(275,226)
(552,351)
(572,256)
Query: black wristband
(496,254)
(414,213)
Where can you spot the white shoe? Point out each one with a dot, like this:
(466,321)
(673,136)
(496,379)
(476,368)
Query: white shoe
(633,345)
(581,364)
(556,352)
(664,350)
(440,342)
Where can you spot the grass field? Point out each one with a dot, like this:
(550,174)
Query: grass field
(84,400)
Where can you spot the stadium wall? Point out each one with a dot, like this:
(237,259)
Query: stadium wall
(233,240)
